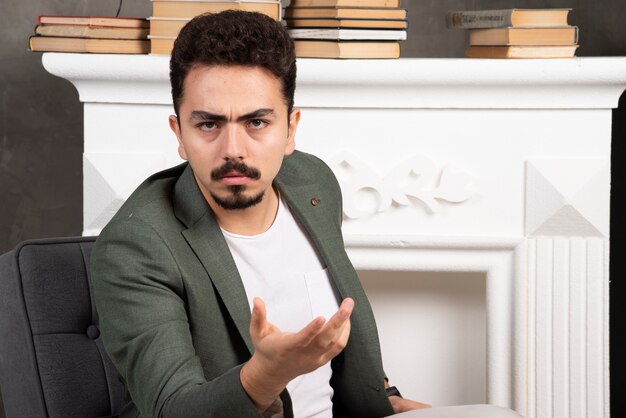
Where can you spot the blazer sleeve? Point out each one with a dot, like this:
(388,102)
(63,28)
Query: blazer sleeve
(139,296)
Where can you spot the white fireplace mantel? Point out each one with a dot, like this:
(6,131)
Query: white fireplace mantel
(492,167)
(417,83)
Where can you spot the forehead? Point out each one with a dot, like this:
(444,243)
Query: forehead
(227,85)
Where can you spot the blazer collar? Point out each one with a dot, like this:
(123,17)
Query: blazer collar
(189,203)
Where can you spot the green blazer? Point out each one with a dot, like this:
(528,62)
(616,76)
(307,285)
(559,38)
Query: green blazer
(173,312)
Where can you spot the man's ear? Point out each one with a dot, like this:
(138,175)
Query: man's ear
(294,119)
(175,127)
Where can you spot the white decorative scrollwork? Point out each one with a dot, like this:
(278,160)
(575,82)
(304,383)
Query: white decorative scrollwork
(414,178)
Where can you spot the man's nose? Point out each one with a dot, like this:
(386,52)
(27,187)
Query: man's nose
(233,143)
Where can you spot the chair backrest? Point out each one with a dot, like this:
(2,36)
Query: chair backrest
(52,362)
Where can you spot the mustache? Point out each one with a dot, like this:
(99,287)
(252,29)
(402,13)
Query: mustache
(237,166)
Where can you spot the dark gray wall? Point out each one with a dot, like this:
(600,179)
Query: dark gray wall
(41,131)
(41,117)
(602,27)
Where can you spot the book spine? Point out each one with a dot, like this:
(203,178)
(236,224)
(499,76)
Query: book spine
(383,4)
(221,1)
(480,19)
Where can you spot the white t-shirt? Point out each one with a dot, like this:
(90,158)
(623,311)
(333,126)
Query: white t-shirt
(281,267)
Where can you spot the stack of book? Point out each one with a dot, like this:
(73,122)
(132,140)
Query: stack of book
(169,16)
(346,28)
(98,34)
(517,33)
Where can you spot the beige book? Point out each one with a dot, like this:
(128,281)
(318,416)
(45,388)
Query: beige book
(521,51)
(345,13)
(346,23)
(80,31)
(333,49)
(116,22)
(348,34)
(482,19)
(161,45)
(166,26)
(524,36)
(346,3)
(190,9)
(100,46)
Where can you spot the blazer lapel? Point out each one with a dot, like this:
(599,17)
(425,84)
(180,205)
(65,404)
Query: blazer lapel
(320,228)
(205,237)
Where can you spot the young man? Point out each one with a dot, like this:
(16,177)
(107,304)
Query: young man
(222,285)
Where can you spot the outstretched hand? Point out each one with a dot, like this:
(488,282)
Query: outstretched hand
(280,357)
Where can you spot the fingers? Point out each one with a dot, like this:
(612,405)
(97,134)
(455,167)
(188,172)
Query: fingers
(345,335)
(333,344)
(341,316)
(334,336)
(258,319)
(330,336)
(327,332)
(307,334)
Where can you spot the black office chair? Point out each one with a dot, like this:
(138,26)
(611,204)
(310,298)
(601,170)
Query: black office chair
(52,362)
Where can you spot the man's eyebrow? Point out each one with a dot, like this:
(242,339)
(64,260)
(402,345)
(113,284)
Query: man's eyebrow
(259,113)
(202,115)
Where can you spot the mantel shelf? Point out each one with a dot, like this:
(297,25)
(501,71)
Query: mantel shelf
(578,83)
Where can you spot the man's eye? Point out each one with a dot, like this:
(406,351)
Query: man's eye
(257,123)
(208,126)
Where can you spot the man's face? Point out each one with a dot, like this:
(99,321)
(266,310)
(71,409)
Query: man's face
(234,131)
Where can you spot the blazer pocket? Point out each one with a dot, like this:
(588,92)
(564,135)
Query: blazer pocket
(324,298)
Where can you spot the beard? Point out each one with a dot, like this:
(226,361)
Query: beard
(236,200)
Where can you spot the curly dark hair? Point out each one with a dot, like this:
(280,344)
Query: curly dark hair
(234,37)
